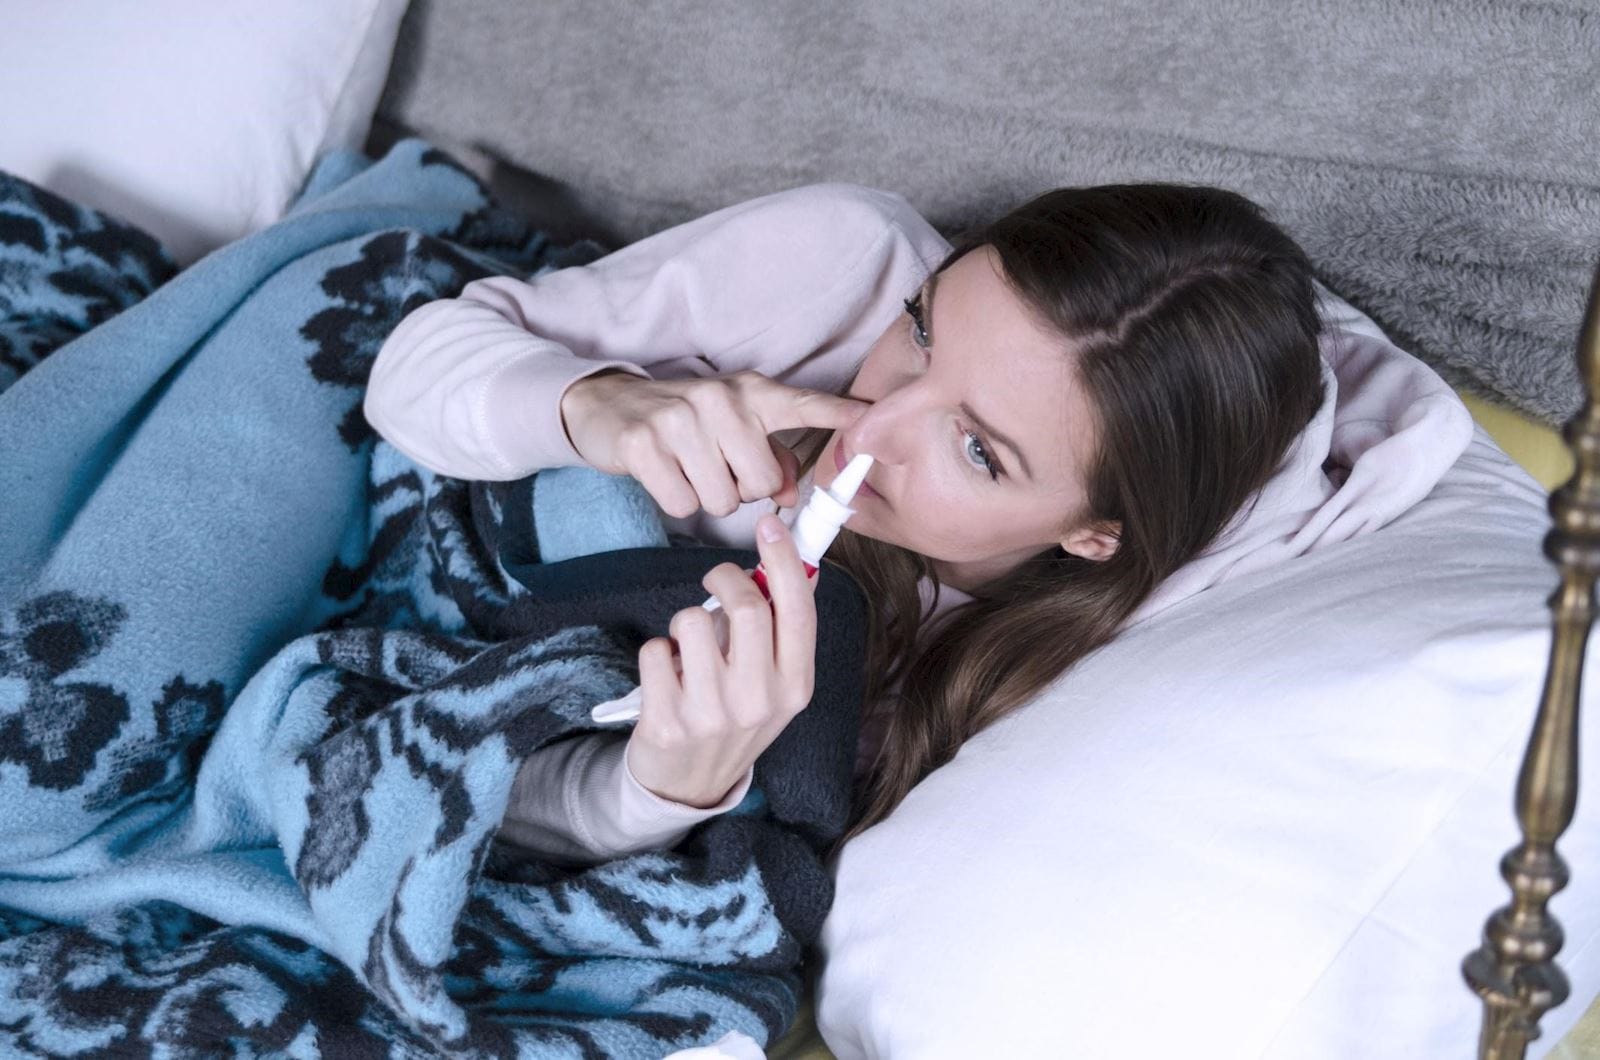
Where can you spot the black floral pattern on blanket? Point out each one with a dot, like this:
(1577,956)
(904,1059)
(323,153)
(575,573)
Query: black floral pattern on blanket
(64,268)
(41,644)
(425,673)
(67,723)
(368,297)
(175,977)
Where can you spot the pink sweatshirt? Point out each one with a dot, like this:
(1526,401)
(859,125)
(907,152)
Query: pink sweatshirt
(796,285)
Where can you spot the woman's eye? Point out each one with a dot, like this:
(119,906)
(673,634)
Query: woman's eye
(988,464)
(919,329)
(919,335)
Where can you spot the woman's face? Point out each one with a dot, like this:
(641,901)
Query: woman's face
(949,487)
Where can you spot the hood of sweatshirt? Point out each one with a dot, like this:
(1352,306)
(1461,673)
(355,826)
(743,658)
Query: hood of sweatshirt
(1388,430)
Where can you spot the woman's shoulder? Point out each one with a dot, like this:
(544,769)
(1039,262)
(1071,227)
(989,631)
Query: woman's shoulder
(838,214)
(851,202)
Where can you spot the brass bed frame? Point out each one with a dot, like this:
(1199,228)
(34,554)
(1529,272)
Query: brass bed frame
(1514,970)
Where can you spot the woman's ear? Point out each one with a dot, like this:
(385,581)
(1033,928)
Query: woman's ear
(1097,542)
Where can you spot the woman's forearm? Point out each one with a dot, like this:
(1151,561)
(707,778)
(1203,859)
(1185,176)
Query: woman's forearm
(795,285)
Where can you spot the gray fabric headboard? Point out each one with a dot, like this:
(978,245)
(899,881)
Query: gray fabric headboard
(1439,159)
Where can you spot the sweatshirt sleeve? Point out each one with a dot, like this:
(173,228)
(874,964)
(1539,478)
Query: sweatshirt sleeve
(576,801)
(795,285)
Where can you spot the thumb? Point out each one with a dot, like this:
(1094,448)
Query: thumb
(788,494)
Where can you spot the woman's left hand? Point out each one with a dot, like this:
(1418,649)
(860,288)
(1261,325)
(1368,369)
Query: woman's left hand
(698,733)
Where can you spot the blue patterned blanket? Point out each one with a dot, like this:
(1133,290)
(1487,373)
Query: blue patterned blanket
(265,682)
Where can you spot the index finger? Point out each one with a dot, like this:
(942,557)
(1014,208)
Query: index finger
(782,407)
(794,610)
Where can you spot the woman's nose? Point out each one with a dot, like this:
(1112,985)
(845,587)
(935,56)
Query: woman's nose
(881,431)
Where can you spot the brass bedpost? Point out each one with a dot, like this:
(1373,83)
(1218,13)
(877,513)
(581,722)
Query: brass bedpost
(1514,971)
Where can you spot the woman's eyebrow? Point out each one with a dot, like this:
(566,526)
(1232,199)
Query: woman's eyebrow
(983,425)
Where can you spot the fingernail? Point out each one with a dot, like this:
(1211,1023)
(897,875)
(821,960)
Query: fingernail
(771,528)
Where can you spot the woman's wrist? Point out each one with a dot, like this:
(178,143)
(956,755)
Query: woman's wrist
(688,802)
(578,398)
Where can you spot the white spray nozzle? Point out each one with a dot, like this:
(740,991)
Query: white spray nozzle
(827,510)
(850,479)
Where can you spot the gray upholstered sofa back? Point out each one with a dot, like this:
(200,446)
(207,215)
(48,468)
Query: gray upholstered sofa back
(1439,159)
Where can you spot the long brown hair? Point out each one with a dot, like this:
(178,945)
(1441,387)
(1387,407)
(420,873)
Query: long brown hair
(1194,326)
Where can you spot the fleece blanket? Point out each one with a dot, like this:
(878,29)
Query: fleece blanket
(265,682)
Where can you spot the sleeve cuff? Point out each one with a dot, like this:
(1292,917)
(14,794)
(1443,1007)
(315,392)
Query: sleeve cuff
(539,813)
(522,410)
(621,815)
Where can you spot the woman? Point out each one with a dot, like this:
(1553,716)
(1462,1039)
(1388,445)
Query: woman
(1064,407)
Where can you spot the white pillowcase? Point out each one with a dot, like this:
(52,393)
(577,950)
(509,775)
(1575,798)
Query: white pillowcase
(196,121)
(1266,823)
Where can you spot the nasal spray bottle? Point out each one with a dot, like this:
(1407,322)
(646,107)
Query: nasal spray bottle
(814,530)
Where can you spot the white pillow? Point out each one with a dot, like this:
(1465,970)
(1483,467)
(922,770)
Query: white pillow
(196,120)
(1266,823)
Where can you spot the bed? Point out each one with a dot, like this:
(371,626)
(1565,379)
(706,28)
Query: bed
(1306,875)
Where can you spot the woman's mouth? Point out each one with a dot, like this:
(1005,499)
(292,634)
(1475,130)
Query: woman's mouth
(838,464)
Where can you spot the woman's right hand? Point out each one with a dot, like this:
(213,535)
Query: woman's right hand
(708,711)
(698,443)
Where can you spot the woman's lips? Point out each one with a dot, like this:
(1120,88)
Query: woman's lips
(839,461)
